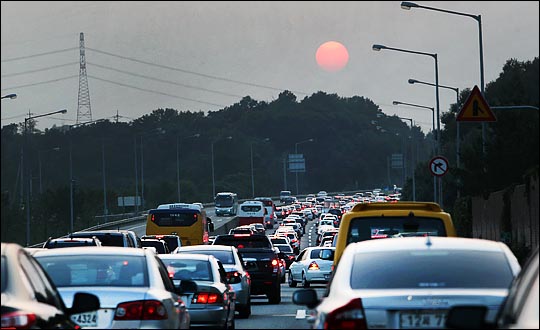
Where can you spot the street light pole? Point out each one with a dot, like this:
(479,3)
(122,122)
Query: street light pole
(412,158)
(26,165)
(213,177)
(296,152)
(408,5)
(178,138)
(252,175)
(433,116)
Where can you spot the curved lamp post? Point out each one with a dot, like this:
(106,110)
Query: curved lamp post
(478,18)
(26,149)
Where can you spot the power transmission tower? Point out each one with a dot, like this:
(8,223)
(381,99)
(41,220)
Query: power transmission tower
(84,113)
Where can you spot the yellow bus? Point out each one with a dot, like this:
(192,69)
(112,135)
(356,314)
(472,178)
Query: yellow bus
(188,221)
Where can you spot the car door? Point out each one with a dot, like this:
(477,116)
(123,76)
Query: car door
(297,266)
(173,303)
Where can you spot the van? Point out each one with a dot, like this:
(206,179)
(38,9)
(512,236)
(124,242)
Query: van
(270,216)
(251,212)
(392,220)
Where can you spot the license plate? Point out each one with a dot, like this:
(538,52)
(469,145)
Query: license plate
(421,320)
(86,319)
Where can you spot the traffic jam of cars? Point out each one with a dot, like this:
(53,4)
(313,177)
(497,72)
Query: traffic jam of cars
(384,263)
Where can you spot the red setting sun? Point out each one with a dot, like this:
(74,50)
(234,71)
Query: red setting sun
(332,56)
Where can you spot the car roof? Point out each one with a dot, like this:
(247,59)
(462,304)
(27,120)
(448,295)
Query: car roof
(192,256)
(92,250)
(422,243)
(206,248)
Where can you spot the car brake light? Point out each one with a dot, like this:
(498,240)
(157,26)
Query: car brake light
(207,298)
(291,257)
(18,320)
(153,218)
(141,310)
(313,266)
(349,316)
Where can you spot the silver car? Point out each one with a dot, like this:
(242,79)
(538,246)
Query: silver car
(132,285)
(310,267)
(237,275)
(412,282)
(212,302)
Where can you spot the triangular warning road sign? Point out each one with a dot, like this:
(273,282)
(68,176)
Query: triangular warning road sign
(475,108)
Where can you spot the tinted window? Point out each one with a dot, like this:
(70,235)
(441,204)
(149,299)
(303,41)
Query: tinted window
(251,208)
(63,244)
(284,248)
(224,201)
(244,242)
(362,229)
(107,239)
(187,269)
(430,269)
(159,245)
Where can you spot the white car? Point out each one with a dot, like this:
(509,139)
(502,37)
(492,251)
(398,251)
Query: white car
(412,282)
(313,265)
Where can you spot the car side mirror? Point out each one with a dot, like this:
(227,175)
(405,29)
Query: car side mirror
(306,297)
(466,317)
(84,302)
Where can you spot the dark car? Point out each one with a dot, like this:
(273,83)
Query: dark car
(173,241)
(55,243)
(286,253)
(261,261)
(30,299)
(109,237)
(160,245)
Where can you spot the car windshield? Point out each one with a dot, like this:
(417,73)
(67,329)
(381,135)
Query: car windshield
(96,270)
(430,270)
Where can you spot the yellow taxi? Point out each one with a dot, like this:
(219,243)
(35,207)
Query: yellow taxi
(392,220)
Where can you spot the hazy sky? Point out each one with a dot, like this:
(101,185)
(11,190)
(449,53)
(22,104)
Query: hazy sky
(208,55)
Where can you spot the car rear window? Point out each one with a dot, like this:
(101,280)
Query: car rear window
(63,244)
(96,270)
(107,239)
(241,242)
(226,257)
(362,229)
(430,269)
(186,269)
(251,208)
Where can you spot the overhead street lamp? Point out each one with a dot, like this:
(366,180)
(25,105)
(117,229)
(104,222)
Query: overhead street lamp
(376,47)
(408,5)
(455,89)
(296,152)
(27,167)
(9,96)
(433,116)
(178,138)
(213,178)
(252,175)
(39,164)
(71,180)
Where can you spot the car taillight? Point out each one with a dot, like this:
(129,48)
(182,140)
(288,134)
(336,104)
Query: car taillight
(349,316)
(291,257)
(140,310)
(207,298)
(18,320)
(275,265)
(313,266)
(153,218)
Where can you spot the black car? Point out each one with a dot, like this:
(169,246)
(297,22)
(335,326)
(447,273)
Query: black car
(30,299)
(286,253)
(160,245)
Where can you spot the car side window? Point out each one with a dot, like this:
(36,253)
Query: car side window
(169,286)
(301,256)
(52,294)
(37,282)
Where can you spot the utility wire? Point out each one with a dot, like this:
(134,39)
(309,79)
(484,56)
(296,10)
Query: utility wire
(161,80)
(156,92)
(36,55)
(40,83)
(191,72)
(38,70)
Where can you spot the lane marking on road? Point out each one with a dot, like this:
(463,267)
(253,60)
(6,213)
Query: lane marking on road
(300,314)
(136,227)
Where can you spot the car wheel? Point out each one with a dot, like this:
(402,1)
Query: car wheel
(245,311)
(305,282)
(292,283)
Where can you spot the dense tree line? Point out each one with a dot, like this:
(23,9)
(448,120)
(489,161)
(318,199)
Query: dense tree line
(353,141)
